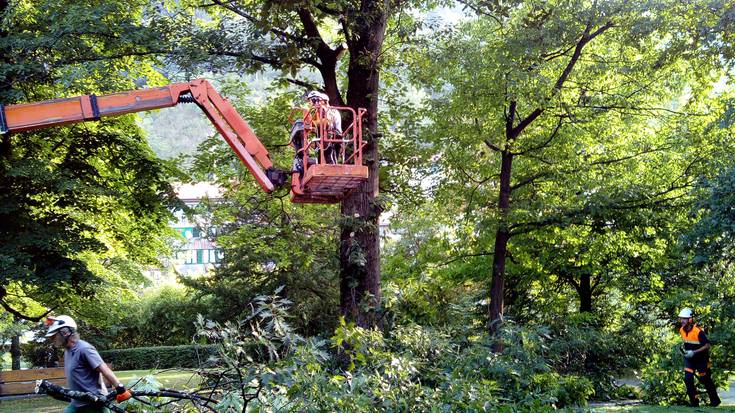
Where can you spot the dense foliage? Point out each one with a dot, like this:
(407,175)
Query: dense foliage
(557,177)
(159,357)
(262,364)
(83,207)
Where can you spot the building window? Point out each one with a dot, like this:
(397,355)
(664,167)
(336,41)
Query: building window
(191,257)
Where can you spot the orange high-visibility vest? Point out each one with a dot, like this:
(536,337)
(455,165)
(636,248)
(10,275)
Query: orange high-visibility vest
(692,337)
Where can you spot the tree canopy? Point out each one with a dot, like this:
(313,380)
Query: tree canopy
(83,207)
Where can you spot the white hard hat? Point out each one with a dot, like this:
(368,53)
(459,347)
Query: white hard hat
(685,313)
(58,322)
(318,95)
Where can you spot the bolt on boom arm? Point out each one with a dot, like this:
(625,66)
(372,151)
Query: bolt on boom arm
(232,127)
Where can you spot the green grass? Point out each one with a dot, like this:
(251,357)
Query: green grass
(34,405)
(660,409)
(176,379)
(172,379)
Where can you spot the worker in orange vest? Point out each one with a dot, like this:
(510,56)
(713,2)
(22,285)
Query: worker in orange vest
(696,358)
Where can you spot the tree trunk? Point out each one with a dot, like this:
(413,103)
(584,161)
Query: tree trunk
(359,253)
(15,352)
(585,293)
(502,236)
(513,130)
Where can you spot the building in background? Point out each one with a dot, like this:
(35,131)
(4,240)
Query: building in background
(195,254)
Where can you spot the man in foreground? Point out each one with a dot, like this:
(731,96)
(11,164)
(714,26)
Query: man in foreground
(83,365)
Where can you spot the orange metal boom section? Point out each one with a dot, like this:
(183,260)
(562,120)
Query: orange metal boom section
(237,133)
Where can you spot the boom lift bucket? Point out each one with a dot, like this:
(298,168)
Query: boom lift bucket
(336,169)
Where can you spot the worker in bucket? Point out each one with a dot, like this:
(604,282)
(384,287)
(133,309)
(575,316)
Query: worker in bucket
(83,365)
(696,359)
(319,114)
(325,115)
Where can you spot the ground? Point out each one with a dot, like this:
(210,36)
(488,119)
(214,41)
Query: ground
(728,405)
(182,379)
(171,378)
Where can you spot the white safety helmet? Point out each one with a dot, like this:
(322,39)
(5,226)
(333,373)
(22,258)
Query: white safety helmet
(686,313)
(318,95)
(59,322)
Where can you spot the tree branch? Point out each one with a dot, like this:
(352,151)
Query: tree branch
(510,119)
(249,17)
(583,40)
(529,180)
(558,53)
(479,11)
(111,57)
(627,157)
(463,256)
(479,182)
(636,109)
(17,313)
(252,56)
(326,10)
(492,146)
(311,29)
(546,142)
(345,29)
(569,278)
(597,281)
(306,85)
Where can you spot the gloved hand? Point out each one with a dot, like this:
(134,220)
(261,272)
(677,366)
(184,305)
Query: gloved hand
(122,393)
(689,354)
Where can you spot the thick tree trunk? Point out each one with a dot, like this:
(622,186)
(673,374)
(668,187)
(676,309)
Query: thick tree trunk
(585,293)
(359,253)
(15,352)
(502,236)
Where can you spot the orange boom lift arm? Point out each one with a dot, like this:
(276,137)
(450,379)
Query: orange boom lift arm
(232,127)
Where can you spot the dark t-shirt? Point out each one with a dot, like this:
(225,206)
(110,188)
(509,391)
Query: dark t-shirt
(80,364)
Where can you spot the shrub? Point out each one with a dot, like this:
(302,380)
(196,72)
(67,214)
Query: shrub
(663,386)
(625,391)
(141,320)
(262,365)
(567,390)
(663,380)
(40,354)
(159,357)
(583,345)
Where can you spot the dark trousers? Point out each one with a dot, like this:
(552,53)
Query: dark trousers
(702,368)
(331,153)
